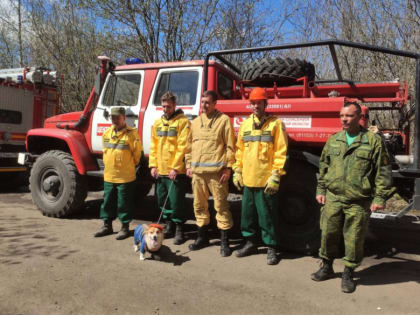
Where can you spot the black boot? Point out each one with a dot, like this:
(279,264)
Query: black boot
(105,230)
(272,256)
(179,234)
(225,250)
(249,248)
(347,282)
(124,232)
(202,239)
(169,230)
(325,272)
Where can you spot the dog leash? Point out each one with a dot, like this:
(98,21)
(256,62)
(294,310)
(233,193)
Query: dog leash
(164,205)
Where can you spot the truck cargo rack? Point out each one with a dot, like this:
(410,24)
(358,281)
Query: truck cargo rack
(412,170)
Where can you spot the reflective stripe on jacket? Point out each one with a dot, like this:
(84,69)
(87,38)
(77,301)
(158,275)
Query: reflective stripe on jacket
(359,171)
(122,150)
(211,144)
(169,143)
(260,150)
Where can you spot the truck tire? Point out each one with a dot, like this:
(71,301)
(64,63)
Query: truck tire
(265,72)
(299,211)
(56,186)
(144,180)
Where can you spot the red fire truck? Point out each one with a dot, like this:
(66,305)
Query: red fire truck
(27,97)
(66,154)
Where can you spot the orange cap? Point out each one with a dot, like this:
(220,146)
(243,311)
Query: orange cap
(257,94)
(160,227)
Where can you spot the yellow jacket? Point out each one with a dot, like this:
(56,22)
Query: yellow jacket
(260,151)
(169,143)
(211,144)
(122,150)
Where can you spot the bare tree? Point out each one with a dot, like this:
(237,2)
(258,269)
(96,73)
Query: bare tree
(65,38)
(157,29)
(13,47)
(248,23)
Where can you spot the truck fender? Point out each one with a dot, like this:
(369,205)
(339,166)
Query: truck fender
(74,140)
(308,157)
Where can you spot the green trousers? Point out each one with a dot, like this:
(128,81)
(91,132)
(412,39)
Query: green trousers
(176,208)
(340,220)
(119,199)
(260,210)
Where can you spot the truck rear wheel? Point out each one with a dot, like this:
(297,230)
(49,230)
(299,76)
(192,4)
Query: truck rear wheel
(299,210)
(265,71)
(56,186)
(144,180)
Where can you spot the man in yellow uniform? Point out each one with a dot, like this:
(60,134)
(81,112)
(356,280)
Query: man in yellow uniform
(166,160)
(260,158)
(121,153)
(209,157)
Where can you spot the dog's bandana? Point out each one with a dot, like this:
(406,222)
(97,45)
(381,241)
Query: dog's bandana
(139,238)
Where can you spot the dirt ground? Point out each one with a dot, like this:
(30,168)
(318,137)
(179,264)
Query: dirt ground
(55,266)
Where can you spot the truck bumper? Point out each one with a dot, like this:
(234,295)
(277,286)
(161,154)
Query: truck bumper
(26,159)
(12,169)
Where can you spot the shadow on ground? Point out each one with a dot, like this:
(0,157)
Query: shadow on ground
(5,188)
(25,238)
(166,255)
(403,270)
(386,247)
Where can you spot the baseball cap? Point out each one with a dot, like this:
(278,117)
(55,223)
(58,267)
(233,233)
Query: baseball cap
(116,111)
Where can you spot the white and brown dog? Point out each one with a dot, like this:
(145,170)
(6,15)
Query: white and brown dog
(148,238)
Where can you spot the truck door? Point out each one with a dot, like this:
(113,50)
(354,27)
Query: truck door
(122,89)
(185,83)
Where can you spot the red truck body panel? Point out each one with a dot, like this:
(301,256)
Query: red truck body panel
(75,141)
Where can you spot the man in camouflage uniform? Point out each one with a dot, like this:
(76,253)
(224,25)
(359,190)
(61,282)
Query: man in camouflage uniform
(355,179)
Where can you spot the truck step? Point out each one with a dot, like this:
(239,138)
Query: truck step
(95,173)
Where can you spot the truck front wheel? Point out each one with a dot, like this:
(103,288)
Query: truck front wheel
(56,186)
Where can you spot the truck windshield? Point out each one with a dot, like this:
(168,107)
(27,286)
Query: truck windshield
(122,90)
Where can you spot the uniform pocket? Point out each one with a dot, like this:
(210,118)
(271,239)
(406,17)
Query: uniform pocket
(362,160)
(363,154)
(334,153)
(334,176)
(118,159)
(209,143)
(171,147)
(264,151)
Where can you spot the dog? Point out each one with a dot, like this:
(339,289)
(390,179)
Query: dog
(148,238)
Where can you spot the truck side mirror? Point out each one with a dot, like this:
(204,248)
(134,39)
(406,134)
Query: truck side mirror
(98,83)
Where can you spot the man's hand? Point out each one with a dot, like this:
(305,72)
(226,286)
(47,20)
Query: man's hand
(189,172)
(273,184)
(225,175)
(172,174)
(237,180)
(375,207)
(320,199)
(154,172)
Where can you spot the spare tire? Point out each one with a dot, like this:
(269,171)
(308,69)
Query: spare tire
(265,72)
